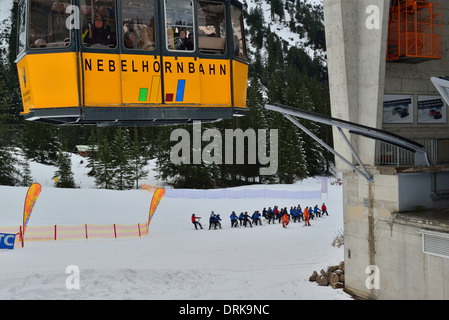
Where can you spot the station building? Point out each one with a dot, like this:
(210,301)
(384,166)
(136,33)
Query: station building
(382,56)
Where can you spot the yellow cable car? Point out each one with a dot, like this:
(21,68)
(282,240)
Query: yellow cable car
(131,62)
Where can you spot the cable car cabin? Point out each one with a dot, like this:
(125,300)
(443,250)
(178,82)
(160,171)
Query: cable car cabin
(131,62)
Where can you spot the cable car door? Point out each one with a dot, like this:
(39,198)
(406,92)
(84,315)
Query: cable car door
(140,65)
(100,59)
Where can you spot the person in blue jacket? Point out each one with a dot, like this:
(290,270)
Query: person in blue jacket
(241,218)
(312,214)
(317,211)
(212,221)
(300,213)
(270,215)
(264,213)
(246,220)
(218,221)
(256,218)
(234,220)
(294,214)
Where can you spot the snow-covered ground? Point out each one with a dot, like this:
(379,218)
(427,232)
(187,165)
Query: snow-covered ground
(174,261)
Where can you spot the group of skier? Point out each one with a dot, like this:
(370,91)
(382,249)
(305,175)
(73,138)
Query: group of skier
(296,214)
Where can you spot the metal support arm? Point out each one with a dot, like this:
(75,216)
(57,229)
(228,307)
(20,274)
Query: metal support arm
(420,153)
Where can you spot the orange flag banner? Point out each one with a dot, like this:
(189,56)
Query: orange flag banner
(157,197)
(33,192)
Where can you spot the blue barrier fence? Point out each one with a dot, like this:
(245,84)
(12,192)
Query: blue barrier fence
(241,194)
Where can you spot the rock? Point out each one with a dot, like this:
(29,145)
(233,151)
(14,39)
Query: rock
(332,268)
(313,277)
(322,281)
(333,279)
(334,276)
(338,285)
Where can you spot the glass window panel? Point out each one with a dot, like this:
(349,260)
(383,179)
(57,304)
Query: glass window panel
(211,27)
(238,32)
(179,25)
(21,39)
(139,24)
(98,23)
(47,24)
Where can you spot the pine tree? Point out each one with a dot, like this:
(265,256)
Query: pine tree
(92,156)
(40,143)
(27,178)
(8,172)
(104,170)
(121,154)
(64,172)
(138,160)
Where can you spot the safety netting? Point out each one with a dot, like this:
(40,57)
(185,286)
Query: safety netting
(84,231)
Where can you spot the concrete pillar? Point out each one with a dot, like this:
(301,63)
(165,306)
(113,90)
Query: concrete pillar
(356,33)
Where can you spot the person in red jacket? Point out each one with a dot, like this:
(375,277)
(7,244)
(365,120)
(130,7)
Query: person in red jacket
(195,222)
(306,217)
(324,210)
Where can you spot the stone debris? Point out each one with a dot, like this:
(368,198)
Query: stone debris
(334,276)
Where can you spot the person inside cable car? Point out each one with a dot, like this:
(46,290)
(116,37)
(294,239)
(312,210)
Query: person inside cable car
(183,42)
(99,34)
(131,39)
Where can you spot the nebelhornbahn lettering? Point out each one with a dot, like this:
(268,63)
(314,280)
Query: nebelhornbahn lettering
(179,67)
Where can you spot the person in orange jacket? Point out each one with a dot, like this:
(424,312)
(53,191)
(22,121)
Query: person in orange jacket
(285,220)
(306,217)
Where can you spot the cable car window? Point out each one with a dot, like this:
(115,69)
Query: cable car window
(21,39)
(47,24)
(238,32)
(98,23)
(138,24)
(179,25)
(211,27)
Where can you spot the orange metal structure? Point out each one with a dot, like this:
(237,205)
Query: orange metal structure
(414,33)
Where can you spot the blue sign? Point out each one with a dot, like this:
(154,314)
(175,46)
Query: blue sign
(7,241)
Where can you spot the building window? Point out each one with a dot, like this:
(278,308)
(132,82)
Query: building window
(211,27)
(47,24)
(138,18)
(179,25)
(98,24)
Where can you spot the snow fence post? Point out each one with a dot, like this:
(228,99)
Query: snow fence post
(55,232)
(21,235)
(115,231)
(85,228)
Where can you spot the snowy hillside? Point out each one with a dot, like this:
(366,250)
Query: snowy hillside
(174,261)
(281,28)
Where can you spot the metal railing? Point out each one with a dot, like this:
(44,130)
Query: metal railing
(387,154)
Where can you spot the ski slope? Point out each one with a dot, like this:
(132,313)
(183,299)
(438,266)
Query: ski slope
(174,261)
